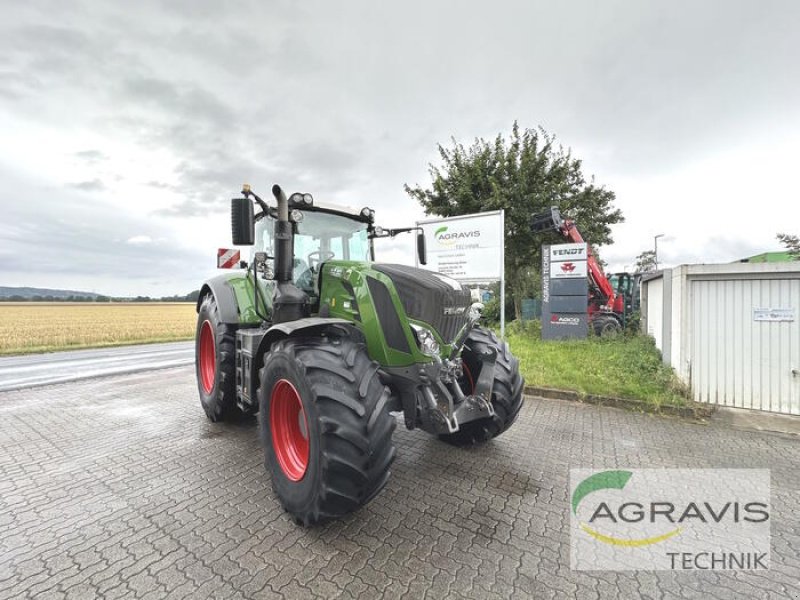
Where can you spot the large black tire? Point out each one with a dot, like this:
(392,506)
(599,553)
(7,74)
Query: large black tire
(606,326)
(507,389)
(342,405)
(215,363)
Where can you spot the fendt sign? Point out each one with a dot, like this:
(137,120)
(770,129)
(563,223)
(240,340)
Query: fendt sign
(565,291)
(568,260)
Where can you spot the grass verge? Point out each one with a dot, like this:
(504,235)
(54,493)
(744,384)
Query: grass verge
(625,367)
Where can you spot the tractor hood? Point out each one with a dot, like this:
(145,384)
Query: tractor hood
(430,297)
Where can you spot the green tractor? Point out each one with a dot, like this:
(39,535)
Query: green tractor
(324,344)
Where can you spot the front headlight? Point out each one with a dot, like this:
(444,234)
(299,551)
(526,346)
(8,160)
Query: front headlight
(425,340)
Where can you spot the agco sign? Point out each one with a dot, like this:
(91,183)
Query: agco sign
(565,291)
(565,320)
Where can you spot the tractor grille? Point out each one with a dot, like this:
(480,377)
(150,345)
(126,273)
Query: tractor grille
(429,298)
(387,315)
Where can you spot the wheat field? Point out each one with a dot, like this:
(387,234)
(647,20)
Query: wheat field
(27,327)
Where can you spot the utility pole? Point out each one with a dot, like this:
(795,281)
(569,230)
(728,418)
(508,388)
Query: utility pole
(655,248)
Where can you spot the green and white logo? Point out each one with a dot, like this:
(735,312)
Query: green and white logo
(678,519)
(445,237)
(608,480)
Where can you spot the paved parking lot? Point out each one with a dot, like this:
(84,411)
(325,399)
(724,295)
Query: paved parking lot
(120,488)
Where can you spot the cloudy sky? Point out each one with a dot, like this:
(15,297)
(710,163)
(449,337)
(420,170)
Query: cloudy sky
(126,127)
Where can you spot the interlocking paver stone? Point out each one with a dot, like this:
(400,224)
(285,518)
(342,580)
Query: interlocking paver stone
(120,488)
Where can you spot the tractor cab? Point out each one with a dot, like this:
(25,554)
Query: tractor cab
(320,233)
(627,286)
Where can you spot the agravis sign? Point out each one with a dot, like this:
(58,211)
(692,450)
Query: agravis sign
(468,248)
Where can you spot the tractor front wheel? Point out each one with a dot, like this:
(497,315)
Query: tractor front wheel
(506,391)
(606,326)
(324,423)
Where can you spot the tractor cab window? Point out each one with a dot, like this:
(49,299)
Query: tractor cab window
(320,237)
(358,246)
(265,228)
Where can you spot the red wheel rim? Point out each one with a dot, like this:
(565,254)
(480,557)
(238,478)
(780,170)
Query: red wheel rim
(287,420)
(208,357)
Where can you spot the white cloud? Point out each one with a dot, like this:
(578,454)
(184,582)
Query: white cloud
(139,240)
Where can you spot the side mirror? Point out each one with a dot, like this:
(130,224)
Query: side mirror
(421,252)
(243,228)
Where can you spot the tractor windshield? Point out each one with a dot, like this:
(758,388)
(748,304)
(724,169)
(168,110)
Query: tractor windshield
(325,236)
(319,237)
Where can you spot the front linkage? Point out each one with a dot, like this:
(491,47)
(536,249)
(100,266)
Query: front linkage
(442,395)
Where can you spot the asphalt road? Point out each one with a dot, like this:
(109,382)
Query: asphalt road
(17,372)
(120,488)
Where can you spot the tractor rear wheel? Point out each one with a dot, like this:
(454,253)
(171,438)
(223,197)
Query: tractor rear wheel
(506,391)
(325,426)
(215,363)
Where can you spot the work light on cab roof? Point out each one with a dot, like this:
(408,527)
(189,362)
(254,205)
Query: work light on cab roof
(299,200)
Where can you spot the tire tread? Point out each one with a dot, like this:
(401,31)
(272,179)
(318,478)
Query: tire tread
(507,397)
(354,426)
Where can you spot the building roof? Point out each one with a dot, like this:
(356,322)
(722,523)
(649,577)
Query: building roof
(768,257)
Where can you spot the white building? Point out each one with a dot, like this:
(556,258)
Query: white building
(731,332)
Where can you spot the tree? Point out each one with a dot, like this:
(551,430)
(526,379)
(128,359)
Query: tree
(646,262)
(792,243)
(524,175)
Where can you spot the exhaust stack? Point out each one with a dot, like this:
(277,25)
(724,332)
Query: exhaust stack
(284,250)
(289,303)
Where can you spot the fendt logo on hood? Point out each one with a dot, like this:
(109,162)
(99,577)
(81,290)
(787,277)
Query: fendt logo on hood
(450,238)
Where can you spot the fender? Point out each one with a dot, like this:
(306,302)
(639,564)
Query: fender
(223,294)
(252,343)
(310,325)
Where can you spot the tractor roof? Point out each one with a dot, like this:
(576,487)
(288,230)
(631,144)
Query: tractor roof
(339,209)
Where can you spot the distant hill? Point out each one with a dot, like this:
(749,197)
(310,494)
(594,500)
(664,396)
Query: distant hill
(18,294)
(29,292)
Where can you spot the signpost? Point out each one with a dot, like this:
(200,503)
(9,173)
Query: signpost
(565,292)
(470,249)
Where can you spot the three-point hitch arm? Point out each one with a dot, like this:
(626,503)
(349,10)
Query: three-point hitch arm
(552,220)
